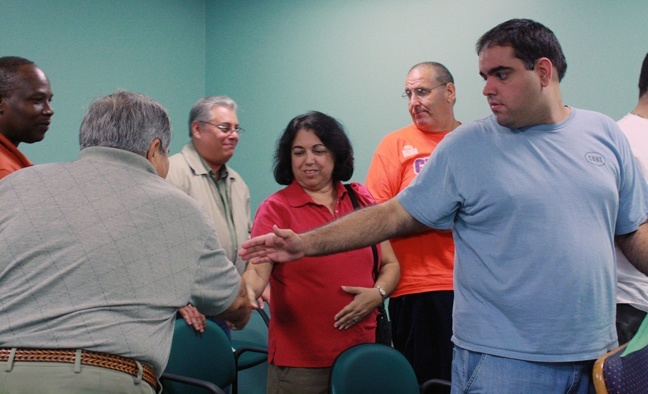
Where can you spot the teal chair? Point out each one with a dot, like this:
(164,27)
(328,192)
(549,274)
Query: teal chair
(201,362)
(252,367)
(254,335)
(436,386)
(372,368)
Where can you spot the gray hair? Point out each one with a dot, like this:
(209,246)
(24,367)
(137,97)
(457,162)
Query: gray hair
(441,72)
(127,121)
(201,110)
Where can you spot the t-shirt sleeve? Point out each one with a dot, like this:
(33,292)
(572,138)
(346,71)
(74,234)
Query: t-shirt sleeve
(384,176)
(433,198)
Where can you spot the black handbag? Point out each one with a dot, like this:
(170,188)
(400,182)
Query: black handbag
(383,325)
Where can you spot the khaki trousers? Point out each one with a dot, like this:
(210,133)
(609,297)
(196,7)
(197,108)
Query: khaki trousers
(46,377)
(289,380)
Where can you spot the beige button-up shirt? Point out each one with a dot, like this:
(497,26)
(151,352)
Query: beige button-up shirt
(188,172)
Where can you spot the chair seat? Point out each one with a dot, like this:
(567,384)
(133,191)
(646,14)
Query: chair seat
(627,374)
(624,369)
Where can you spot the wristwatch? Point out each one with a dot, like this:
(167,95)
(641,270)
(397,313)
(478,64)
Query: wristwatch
(383,294)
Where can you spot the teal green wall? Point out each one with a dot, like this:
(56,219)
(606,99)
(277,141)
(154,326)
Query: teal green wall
(90,48)
(280,58)
(349,58)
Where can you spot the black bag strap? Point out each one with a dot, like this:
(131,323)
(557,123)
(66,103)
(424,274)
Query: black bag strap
(356,206)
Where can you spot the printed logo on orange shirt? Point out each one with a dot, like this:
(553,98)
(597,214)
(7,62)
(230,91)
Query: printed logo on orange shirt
(409,150)
(419,163)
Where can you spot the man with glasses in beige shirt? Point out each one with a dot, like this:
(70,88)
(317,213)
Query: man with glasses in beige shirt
(201,171)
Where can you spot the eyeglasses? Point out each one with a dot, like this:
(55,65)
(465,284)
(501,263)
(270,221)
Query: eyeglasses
(420,92)
(226,127)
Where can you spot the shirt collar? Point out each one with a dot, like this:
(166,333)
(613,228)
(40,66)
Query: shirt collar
(117,156)
(297,197)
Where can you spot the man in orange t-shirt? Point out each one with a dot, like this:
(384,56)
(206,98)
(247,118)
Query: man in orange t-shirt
(421,305)
(25,110)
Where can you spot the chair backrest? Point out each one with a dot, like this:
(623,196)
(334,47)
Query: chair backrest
(205,356)
(372,368)
(624,369)
(255,332)
(254,337)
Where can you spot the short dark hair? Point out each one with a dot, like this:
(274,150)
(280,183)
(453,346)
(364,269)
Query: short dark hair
(643,77)
(9,66)
(530,41)
(332,135)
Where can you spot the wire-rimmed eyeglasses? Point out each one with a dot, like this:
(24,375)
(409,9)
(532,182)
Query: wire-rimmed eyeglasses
(226,127)
(420,92)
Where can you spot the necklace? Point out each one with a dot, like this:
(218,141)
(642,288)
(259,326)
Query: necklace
(641,116)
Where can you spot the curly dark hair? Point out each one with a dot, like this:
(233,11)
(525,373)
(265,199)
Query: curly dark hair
(332,135)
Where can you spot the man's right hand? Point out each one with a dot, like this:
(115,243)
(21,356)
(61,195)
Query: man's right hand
(280,246)
(238,314)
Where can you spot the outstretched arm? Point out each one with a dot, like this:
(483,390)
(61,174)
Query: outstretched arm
(635,247)
(257,276)
(358,229)
(281,246)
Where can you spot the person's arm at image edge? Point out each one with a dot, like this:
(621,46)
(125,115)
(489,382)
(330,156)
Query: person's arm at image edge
(635,247)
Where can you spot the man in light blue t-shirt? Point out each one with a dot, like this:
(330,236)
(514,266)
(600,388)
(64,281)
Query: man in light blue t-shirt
(536,196)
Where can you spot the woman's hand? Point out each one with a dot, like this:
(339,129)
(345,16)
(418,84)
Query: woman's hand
(193,318)
(365,301)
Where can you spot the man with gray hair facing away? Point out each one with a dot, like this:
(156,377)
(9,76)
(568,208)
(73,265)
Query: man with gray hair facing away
(201,171)
(97,255)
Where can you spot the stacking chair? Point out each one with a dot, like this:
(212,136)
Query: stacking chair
(254,335)
(372,368)
(201,362)
(624,369)
(436,386)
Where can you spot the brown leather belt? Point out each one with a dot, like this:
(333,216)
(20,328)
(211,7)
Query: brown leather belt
(95,359)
